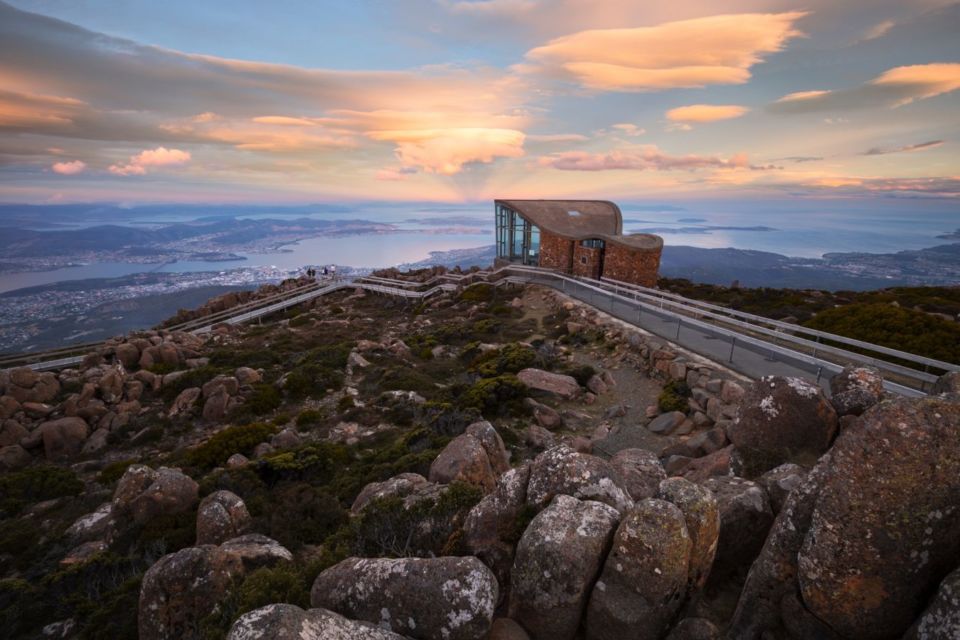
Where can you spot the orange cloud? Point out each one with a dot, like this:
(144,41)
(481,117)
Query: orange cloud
(665,56)
(69,168)
(446,151)
(647,157)
(892,88)
(705,113)
(629,129)
(150,158)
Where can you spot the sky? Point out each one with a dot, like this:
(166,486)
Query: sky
(467,100)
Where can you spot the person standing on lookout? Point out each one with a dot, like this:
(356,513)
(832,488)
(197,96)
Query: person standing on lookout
(333,271)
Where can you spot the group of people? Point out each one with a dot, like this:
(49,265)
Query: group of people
(326,272)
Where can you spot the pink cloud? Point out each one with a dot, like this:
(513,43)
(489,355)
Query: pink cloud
(159,157)
(647,158)
(705,112)
(70,168)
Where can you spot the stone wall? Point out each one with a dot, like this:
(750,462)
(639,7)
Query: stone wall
(632,265)
(586,261)
(555,252)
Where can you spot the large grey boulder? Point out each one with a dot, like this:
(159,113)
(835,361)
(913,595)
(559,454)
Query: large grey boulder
(465,460)
(782,420)
(556,384)
(745,519)
(856,389)
(143,493)
(644,578)
(557,562)
(490,530)
(941,619)
(290,622)
(702,516)
(640,470)
(181,589)
(448,598)
(562,471)
(222,515)
(63,439)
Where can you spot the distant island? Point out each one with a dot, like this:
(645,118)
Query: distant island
(950,235)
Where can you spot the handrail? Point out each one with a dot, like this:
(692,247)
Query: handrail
(793,328)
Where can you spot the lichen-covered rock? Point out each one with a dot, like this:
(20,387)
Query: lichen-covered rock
(464,459)
(490,530)
(640,470)
(702,516)
(448,598)
(718,463)
(546,417)
(947,383)
(694,629)
(644,578)
(63,439)
(856,389)
(222,515)
(492,444)
(255,550)
(127,354)
(290,622)
(538,438)
(563,471)
(399,485)
(181,589)
(779,482)
(216,405)
(745,519)
(184,401)
(773,574)
(14,457)
(557,562)
(142,493)
(941,619)
(666,423)
(886,526)
(557,384)
(247,376)
(778,420)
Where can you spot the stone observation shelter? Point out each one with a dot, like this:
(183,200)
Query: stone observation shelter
(580,237)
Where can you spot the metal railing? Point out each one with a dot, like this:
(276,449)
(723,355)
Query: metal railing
(713,331)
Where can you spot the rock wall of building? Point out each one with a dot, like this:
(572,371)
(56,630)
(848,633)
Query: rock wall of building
(555,252)
(632,265)
(586,261)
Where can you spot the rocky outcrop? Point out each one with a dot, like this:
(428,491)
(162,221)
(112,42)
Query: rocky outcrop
(563,471)
(780,419)
(886,526)
(290,622)
(941,619)
(557,562)
(427,598)
(490,530)
(855,389)
(182,588)
(399,485)
(779,482)
(745,519)
(222,515)
(63,439)
(640,470)
(644,578)
(255,550)
(702,516)
(142,493)
(554,384)
(464,459)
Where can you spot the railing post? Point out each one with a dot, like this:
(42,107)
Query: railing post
(679,320)
(733,343)
(819,371)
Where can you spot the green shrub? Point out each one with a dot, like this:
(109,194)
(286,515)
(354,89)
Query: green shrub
(497,396)
(317,463)
(345,403)
(262,400)
(581,373)
(301,320)
(674,396)
(477,293)
(309,418)
(285,583)
(446,418)
(22,608)
(223,444)
(510,358)
(312,381)
(192,378)
(35,484)
(300,514)
(114,471)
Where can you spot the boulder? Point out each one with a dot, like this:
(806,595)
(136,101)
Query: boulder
(24,377)
(538,438)
(255,551)
(127,354)
(644,579)
(110,386)
(286,439)
(448,598)
(14,457)
(947,383)
(640,470)
(184,401)
(464,460)
(9,407)
(237,460)
(718,463)
(143,493)
(63,439)
(181,589)
(694,629)
(400,485)
(561,470)
(546,417)
(507,629)
(490,530)
(37,410)
(941,619)
(97,441)
(227,383)
(556,384)
(730,392)
(216,405)
(222,515)
(492,444)
(855,389)
(247,376)
(702,516)
(666,423)
(780,420)
(886,527)
(557,562)
(290,622)
(596,385)
(745,519)
(779,482)
(92,526)
(11,432)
